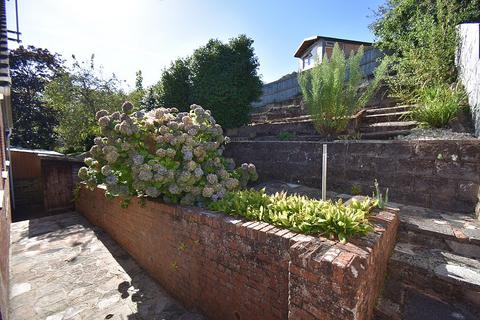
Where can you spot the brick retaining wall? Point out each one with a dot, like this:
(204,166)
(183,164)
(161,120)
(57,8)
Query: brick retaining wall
(230,268)
(433,174)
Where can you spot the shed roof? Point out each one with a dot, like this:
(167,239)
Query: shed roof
(309,41)
(50,154)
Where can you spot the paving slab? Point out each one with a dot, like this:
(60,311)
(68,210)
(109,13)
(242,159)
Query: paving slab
(62,267)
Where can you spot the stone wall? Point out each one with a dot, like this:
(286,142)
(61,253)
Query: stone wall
(468,63)
(229,268)
(433,174)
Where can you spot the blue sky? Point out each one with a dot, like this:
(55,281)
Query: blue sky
(146,35)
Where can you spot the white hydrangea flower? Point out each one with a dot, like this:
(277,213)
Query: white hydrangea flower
(106,170)
(112,156)
(207,192)
(138,159)
(198,172)
(152,192)
(104,121)
(212,178)
(111,180)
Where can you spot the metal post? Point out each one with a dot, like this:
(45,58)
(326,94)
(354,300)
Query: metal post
(324,173)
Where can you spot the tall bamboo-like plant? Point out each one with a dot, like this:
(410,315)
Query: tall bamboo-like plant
(332,98)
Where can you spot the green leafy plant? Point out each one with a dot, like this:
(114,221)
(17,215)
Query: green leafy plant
(286,136)
(356,190)
(381,200)
(331,98)
(163,153)
(420,37)
(299,213)
(437,105)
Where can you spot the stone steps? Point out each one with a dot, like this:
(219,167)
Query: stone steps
(385,117)
(434,272)
(452,232)
(384,135)
(386,123)
(394,109)
(449,279)
(273,113)
(387,126)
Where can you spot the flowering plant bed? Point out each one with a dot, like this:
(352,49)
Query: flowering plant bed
(163,153)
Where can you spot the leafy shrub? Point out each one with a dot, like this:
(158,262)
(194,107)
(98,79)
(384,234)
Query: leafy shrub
(438,105)
(176,155)
(420,36)
(299,213)
(330,98)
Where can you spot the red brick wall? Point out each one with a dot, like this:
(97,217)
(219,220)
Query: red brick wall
(5,220)
(330,280)
(230,268)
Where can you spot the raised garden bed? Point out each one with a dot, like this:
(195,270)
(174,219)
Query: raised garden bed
(230,268)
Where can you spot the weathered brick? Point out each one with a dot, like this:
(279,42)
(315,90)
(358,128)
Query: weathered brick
(229,268)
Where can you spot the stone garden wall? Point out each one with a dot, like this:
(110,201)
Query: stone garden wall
(229,268)
(433,174)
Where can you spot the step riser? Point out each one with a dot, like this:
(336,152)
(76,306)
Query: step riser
(386,128)
(388,110)
(384,135)
(383,118)
(439,241)
(403,278)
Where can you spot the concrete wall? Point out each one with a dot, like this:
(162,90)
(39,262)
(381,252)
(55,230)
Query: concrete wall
(468,62)
(230,268)
(434,174)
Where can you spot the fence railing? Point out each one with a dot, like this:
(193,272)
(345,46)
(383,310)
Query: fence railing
(287,87)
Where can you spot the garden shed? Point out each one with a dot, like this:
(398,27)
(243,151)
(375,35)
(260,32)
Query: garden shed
(43,182)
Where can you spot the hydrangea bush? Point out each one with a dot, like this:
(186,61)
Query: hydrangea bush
(163,153)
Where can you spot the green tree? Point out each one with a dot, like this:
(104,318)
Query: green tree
(76,96)
(151,98)
(31,70)
(420,36)
(136,96)
(220,76)
(225,79)
(330,98)
(175,86)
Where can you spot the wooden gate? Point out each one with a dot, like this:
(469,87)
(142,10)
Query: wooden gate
(57,186)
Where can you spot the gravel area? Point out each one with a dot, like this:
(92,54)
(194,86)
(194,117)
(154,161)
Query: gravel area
(436,134)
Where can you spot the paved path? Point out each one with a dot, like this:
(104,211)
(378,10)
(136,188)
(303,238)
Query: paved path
(64,268)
